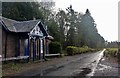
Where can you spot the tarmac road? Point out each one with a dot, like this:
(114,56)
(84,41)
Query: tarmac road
(81,66)
(86,65)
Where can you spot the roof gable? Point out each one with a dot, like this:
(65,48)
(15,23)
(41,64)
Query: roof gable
(43,29)
(36,31)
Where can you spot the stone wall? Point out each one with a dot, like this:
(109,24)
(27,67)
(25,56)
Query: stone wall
(12,45)
(9,42)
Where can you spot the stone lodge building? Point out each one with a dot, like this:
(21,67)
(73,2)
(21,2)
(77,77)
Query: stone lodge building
(24,38)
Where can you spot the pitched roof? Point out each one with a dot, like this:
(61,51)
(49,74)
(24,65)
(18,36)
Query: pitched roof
(8,23)
(25,26)
(22,26)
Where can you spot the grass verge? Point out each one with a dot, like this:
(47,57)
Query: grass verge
(111,52)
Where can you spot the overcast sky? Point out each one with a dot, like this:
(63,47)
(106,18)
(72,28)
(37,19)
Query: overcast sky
(104,12)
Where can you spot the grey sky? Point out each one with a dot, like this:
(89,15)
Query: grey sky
(104,12)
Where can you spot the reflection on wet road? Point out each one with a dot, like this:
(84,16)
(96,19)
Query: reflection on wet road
(107,67)
(82,66)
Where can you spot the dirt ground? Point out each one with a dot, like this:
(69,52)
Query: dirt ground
(13,69)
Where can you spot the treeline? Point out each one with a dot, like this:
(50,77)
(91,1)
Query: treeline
(113,44)
(68,27)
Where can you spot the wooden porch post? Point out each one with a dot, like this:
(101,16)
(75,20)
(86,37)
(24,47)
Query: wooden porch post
(43,49)
(18,46)
(28,51)
(39,49)
(34,49)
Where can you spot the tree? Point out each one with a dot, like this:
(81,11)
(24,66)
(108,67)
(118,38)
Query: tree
(61,18)
(22,11)
(69,28)
(90,34)
(17,10)
(72,26)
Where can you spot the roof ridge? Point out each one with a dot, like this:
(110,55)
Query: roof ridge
(27,21)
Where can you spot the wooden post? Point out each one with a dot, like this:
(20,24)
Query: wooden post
(28,51)
(30,43)
(34,50)
(39,49)
(26,47)
(19,47)
(43,49)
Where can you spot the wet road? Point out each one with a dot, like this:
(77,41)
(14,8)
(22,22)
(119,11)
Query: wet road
(107,67)
(81,66)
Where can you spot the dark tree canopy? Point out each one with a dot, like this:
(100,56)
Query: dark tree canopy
(67,27)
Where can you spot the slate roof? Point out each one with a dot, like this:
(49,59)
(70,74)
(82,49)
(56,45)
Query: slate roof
(8,23)
(22,26)
(25,26)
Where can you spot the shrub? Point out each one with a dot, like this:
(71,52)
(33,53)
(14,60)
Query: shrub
(72,50)
(111,52)
(54,48)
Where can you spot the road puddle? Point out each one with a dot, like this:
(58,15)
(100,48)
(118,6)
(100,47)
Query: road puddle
(102,67)
(82,72)
(49,69)
(108,66)
(85,71)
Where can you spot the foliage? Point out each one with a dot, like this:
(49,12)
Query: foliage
(111,52)
(72,50)
(118,54)
(53,29)
(54,47)
(113,44)
(69,28)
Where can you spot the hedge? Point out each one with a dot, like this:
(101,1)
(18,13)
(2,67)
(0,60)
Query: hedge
(72,50)
(54,47)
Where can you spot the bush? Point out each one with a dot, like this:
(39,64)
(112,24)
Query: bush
(111,52)
(54,48)
(72,50)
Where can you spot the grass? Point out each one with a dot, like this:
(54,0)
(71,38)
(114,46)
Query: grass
(14,68)
(10,67)
(111,52)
